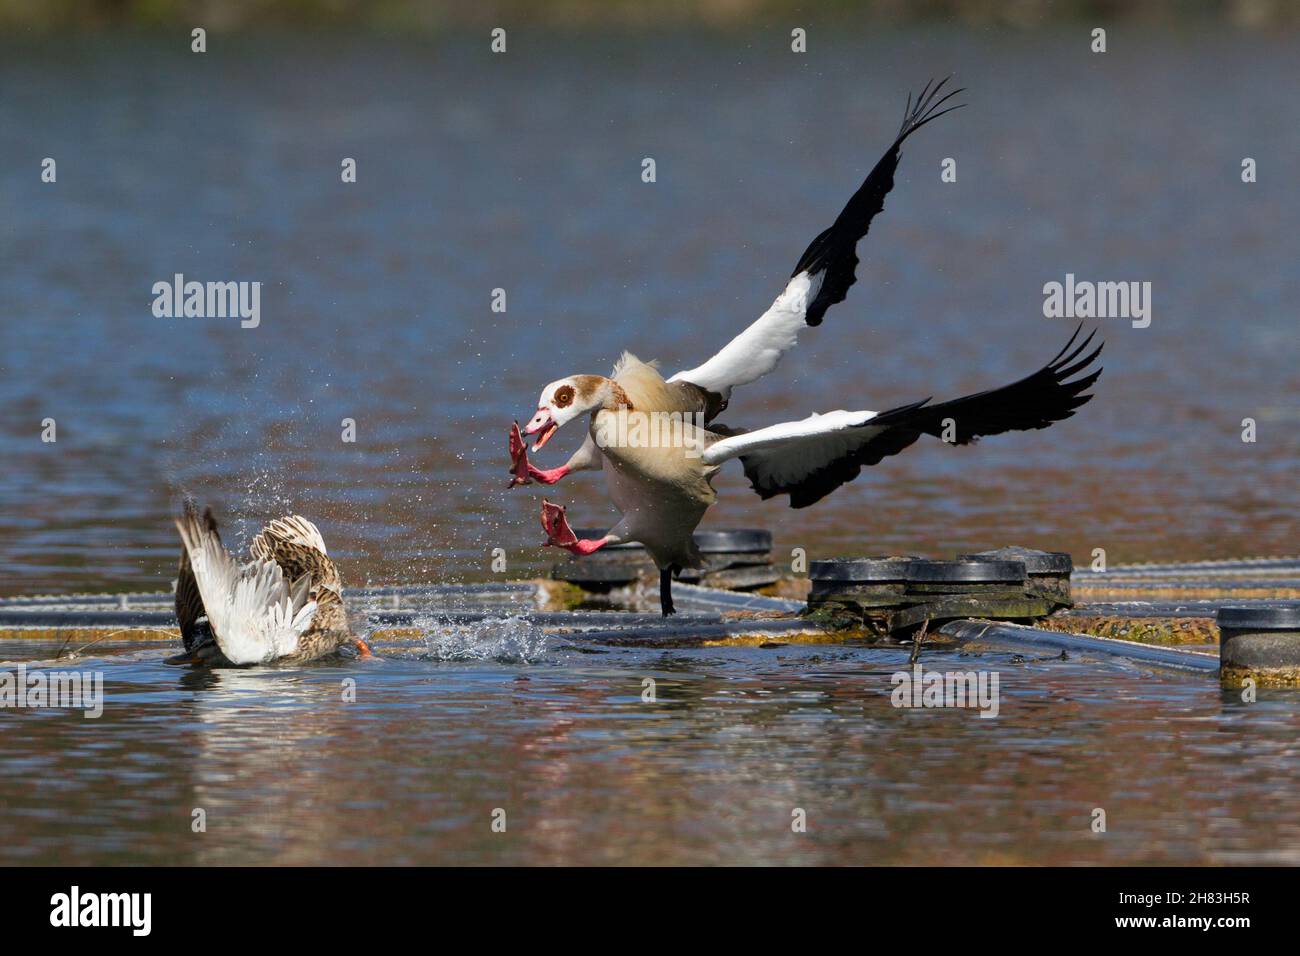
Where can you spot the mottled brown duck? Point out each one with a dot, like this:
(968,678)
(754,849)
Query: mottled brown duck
(285,605)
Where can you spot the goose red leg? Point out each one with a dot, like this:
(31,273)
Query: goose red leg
(560,535)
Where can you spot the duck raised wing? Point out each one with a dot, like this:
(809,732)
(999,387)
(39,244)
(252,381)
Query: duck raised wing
(296,545)
(256,615)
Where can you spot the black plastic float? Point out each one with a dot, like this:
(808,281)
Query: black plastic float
(897,593)
(1049,571)
(885,569)
(944,576)
(739,559)
(948,590)
(855,585)
(1260,642)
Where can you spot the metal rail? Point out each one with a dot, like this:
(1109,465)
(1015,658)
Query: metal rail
(1016,636)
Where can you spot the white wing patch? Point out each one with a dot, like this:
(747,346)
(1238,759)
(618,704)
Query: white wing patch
(757,350)
(266,616)
(830,429)
(791,451)
(255,615)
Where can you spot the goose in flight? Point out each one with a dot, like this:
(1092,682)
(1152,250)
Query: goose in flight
(659,444)
(285,605)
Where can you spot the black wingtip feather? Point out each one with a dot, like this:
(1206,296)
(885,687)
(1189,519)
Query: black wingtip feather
(1055,358)
(1036,401)
(925,108)
(1083,363)
(834,251)
(1059,362)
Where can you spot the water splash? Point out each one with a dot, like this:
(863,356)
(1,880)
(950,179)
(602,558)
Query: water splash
(512,639)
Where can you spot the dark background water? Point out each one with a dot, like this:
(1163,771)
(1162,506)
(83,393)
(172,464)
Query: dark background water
(522,172)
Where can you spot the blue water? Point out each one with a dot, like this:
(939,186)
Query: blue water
(522,173)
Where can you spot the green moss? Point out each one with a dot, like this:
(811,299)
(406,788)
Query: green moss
(1230,676)
(560,595)
(1165,631)
(832,617)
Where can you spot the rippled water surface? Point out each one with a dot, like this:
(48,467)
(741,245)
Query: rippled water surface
(587,772)
(522,173)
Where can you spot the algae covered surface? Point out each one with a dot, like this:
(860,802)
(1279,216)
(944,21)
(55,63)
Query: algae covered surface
(1166,631)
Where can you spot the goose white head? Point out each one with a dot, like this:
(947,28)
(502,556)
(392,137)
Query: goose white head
(564,400)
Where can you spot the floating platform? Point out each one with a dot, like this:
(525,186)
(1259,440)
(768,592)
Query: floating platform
(898,593)
(706,615)
(1141,619)
(1260,643)
(738,559)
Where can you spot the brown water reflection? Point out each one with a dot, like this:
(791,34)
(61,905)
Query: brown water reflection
(587,773)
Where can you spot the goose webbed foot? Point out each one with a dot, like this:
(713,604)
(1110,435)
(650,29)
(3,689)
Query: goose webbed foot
(518,458)
(523,471)
(560,535)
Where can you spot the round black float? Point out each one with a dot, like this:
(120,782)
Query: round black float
(861,570)
(966,572)
(859,583)
(1035,562)
(1261,643)
(1001,578)
(1048,571)
(736,559)
(740,541)
(896,593)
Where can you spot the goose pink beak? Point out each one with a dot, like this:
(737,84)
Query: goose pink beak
(542,422)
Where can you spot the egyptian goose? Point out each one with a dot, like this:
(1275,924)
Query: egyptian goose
(285,605)
(659,445)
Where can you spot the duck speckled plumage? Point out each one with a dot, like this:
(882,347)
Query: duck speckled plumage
(284,606)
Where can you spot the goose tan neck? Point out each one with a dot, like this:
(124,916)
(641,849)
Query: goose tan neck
(592,387)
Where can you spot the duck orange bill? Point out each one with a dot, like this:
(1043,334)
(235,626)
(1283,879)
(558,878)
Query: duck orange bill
(518,458)
(556,526)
